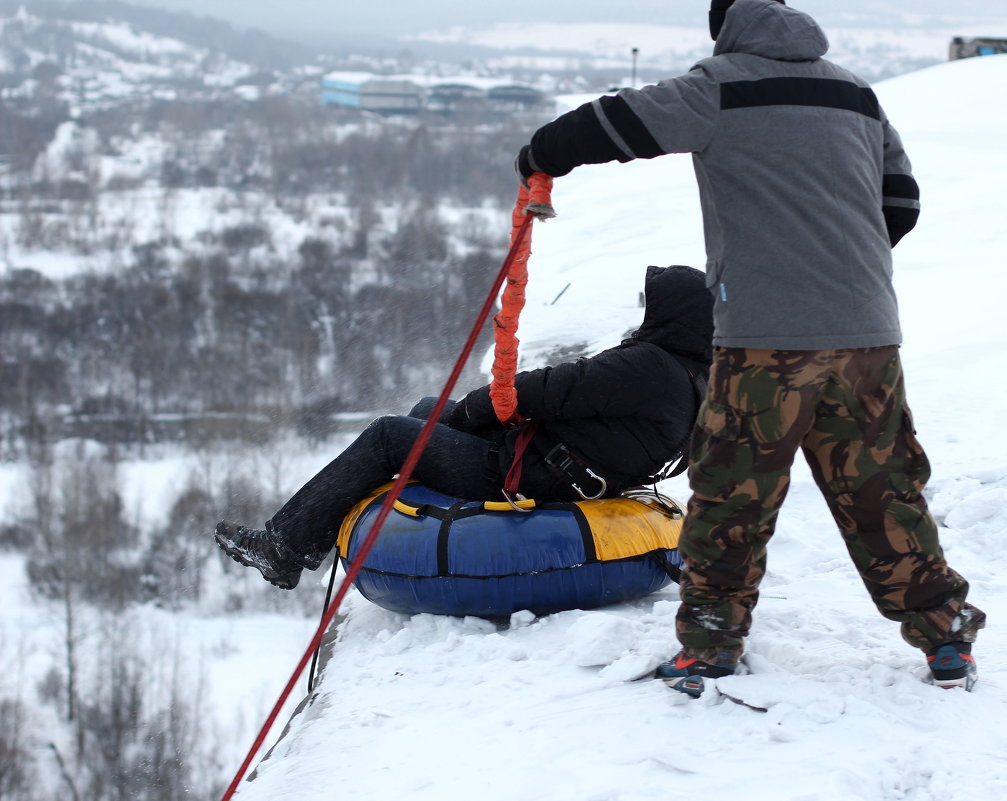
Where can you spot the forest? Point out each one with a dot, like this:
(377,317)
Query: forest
(226,330)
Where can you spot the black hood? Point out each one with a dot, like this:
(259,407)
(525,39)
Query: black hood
(679,313)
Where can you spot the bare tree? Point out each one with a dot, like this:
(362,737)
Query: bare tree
(141,729)
(79,527)
(16,764)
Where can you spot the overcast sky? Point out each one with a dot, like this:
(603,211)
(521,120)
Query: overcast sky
(318,20)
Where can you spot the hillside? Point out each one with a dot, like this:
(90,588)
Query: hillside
(160,195)
(194,259)
(98,60)
(436,708)
(875,40)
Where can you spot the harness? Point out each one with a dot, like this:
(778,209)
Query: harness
(513,478)
(573,468)
(566,464)
(699,385)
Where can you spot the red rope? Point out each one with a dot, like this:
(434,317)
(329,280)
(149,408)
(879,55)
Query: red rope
(386,507)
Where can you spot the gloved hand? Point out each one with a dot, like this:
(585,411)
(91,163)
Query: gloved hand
(473,413)
(523,165)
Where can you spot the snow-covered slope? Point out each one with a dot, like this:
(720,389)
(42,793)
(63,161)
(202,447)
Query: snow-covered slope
(875,46)
(103,64)
(446,709)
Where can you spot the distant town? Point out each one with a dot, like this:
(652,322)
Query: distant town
(405,94)
(413,93)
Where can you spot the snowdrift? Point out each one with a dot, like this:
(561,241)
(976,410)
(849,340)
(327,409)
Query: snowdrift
(560,707)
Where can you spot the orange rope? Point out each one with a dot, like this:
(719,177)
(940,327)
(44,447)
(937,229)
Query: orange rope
(533,201)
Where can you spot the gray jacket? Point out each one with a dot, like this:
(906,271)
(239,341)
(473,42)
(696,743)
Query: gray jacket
(804,184)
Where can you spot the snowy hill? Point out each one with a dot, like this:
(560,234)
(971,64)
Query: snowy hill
(94,65)
(443,709)
(875,53)
(879,44)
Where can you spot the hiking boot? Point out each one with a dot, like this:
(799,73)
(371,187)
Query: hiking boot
(951,665)
(685,673)
(263,550)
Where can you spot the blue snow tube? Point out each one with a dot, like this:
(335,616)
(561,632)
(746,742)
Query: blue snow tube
(449,556)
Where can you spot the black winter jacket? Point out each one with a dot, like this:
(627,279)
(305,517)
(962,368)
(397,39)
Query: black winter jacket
(627,411)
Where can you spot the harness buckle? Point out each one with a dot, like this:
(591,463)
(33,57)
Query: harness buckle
(514,503)
(596,477)
(574,470)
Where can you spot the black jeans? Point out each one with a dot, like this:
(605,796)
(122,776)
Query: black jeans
(453,462)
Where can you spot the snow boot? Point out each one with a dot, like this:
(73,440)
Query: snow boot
(263,550)
(685,673)
(952,665)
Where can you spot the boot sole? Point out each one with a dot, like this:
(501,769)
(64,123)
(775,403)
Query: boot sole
(283,582)
(692,686)
(965,683)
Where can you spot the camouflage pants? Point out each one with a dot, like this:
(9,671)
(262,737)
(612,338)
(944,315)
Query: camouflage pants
(846,410)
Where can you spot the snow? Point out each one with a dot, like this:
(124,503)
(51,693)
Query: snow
(615,40)
(875,51)
(109,62)
(348,76)
(561,707)
(123,37)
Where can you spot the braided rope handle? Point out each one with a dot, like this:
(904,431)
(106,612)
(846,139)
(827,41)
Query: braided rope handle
(534,201)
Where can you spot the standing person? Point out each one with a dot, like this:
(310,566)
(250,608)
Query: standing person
(805,188)
(597,426)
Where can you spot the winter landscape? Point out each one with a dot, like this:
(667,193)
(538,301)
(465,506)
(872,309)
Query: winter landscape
(136,663)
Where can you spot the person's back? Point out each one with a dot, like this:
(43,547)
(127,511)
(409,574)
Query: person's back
(797,243)
(804,184)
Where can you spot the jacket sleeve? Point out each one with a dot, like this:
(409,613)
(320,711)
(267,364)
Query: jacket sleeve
(674,116)
(900,202)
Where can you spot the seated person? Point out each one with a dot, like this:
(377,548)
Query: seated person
(596,426)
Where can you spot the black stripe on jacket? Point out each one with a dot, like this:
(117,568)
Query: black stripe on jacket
(820,92)
(900,205)
(579,137)
(630,127)
(900,186)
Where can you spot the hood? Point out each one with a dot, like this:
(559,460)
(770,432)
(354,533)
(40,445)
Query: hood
(679,313)
(771,30)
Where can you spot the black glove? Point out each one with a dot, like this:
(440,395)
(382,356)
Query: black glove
(473,413)
(523,165)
